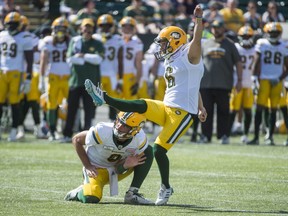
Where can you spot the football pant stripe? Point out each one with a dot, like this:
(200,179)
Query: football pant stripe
(184,123)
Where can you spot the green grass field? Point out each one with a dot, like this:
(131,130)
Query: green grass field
(209,179)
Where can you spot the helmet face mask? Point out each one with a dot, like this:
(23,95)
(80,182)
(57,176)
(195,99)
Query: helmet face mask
(12,27)
(245,36)
(170,39)
(12,22)
(273,31)
(127,125)
(105,25)
(60,28)
(127,26)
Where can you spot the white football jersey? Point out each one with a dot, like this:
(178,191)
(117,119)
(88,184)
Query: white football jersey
(12,50)
(109,65)
(248,62)
(272,58)
(182,81)
(130,49)
(57,56)
(103,152)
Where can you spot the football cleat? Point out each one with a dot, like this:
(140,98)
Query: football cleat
(96,93)
(254,141)
(244,139)
(12,136)
(72,195)
(164,195)
(134,198)
(269,141)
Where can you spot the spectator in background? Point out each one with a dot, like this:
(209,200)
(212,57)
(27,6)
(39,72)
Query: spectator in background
(190,6)
(88,11)
(219,56)
(252,17)
(272,14)
(84,56)
(74,5)
(53,10)
(232,16)
(212,13)
(39,4)
(140,13)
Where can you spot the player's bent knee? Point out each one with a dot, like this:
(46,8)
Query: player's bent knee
(158,150)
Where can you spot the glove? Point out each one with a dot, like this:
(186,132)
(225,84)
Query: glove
(119,86)
(134,89)
(25,86)
(255,85)
(41,85)
(274,82)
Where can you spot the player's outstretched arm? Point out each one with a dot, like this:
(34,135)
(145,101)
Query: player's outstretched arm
(194,54)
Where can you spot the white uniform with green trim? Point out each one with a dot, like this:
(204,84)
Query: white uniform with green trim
(104,153)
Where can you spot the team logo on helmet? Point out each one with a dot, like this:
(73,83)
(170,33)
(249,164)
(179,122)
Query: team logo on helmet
(176,35)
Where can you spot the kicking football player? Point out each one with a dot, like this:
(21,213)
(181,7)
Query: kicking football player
(183,72)
(112,152)
(244,98)
(15,47)
(270,60)
(53,53)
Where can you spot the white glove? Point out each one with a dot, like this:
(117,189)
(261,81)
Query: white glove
(25,86)
(41,84)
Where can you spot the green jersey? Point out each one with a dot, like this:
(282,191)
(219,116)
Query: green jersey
(81,72)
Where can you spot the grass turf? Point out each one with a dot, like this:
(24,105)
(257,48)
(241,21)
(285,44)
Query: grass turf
(211,179)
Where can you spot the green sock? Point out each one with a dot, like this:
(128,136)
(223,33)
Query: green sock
(139,106)
(163,163)
(52,117)
(141,171)
(87,199)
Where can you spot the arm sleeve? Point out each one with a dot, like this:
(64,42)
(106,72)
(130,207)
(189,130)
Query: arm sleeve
(94,59)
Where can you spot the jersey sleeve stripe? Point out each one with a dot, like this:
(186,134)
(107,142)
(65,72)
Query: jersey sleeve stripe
(96,137)
(143,144)
(184,123)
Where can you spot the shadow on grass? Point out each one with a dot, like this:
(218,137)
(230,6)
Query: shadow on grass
(202,208)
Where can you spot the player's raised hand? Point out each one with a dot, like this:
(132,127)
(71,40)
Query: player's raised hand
(198,12)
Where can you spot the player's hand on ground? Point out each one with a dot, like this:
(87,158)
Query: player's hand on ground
(91,171)
(202,115)
(132,161)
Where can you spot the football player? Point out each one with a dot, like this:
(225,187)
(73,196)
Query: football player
(53,53)
(133,56)
(32,98)
(112,65)
(244,98)
(112,152)
(270,60)
(183,72)
(15,47)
